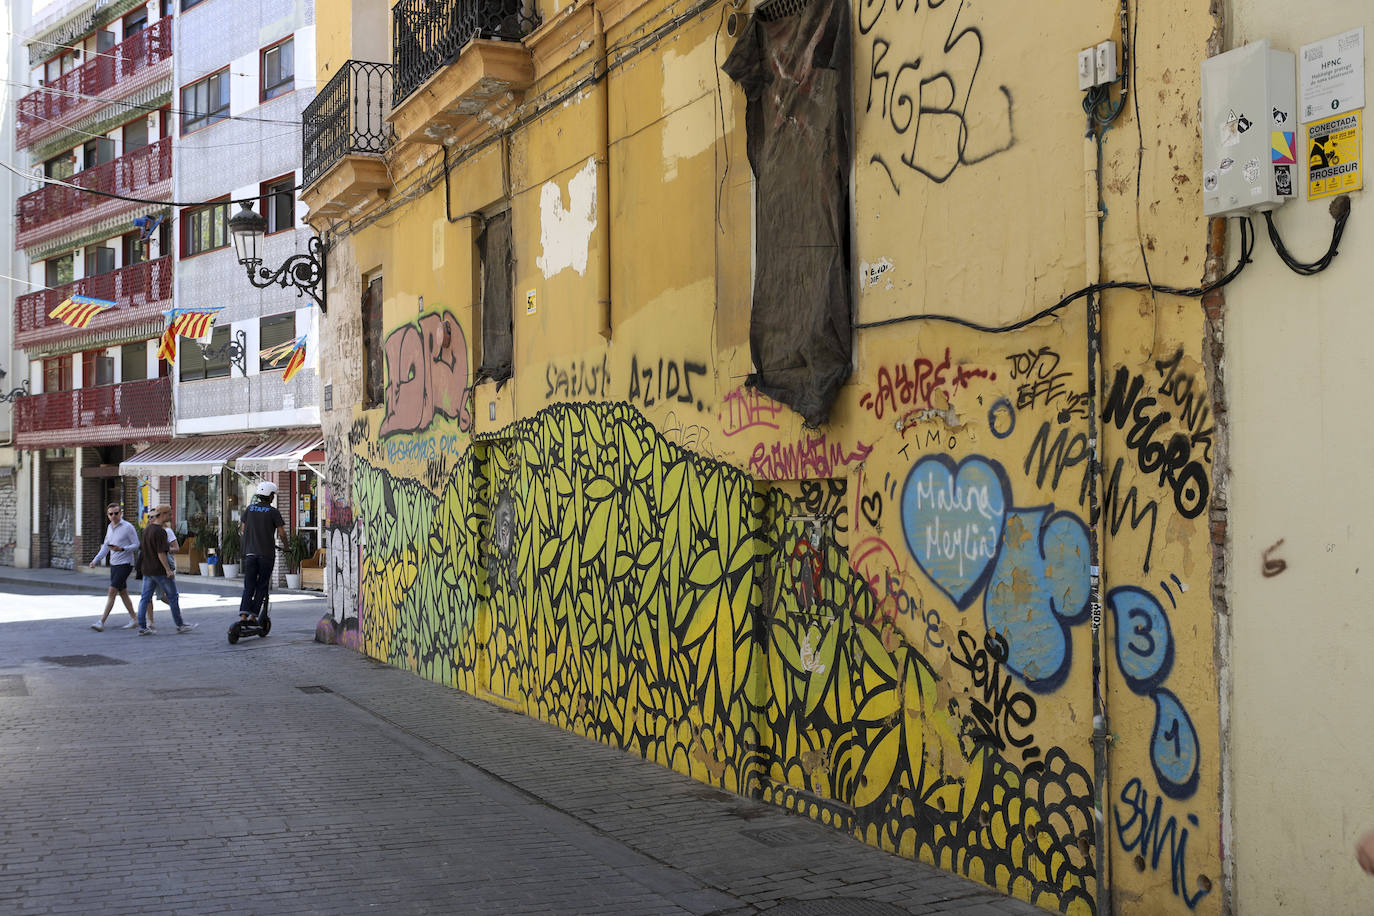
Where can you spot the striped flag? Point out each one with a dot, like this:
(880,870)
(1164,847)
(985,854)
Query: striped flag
(296,360)
(78,311)
(184,323)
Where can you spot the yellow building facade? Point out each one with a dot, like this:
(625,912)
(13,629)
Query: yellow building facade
(708,381)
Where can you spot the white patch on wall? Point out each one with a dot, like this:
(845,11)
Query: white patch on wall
(870,274)
(565,233)
(690,126)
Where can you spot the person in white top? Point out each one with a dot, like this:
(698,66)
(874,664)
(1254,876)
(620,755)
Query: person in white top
(121,546)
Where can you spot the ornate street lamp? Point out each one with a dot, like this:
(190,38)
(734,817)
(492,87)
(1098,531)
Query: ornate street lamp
(303,271)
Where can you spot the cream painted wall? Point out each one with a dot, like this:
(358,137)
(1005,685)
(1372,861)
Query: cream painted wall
(1301,726)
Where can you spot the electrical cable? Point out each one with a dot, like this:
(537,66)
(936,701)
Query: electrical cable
(1247,244)
(1340,212)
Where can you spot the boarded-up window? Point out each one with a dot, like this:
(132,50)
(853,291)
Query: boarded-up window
(374,378)
(793,67)
(494,247)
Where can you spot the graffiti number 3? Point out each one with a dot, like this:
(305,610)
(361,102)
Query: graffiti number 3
(1142,629)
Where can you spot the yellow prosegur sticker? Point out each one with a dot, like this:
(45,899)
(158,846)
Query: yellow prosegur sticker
(1333,156)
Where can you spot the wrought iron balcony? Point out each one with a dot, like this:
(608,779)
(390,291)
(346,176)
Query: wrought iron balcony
(105,415)
(142,292)
(347,117)
(128,66)
(430,34)
(55,210)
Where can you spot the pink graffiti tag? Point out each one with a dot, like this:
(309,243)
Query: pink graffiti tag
(427,374)
(814,456)
(745,408)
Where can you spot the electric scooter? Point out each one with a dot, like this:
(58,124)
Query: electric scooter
(250,627)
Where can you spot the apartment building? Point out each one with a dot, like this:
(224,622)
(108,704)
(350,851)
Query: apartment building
(244,72)
(96,116)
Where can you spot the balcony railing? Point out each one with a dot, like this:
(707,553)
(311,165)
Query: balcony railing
(429,34)
(39,112)
(128,412)
(348,116)
(141,292)
(56,209)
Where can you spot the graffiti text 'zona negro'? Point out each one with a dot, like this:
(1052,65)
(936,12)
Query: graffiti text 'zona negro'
(966,538)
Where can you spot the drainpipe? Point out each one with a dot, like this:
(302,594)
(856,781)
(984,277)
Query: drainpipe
(1101,732)
(602,88)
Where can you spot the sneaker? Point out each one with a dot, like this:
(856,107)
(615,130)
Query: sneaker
(151,628)
(130,625)
(98,628)
(146,631)
(187,627)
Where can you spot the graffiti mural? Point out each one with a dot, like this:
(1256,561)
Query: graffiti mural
(427,374)
(590,571)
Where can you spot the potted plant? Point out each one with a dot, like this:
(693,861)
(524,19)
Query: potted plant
(207,539)
(297,551)
(231,549)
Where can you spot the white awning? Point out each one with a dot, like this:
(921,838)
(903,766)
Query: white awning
(281,453)
(187,457)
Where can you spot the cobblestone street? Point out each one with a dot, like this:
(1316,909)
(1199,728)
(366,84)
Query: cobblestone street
(179,774)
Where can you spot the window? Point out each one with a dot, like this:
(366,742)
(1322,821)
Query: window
(133,361)
(135,135)
(57,373)
(63,166)
(99,260)
(135,249)
(97,152)
(187,4)
(59,271)
(204,229)
(136,21)
(494,248)
(278,69)
(96,368)
(205,101)
(273,331)
(374,380)
(279,203)
(104,41)
(194,365)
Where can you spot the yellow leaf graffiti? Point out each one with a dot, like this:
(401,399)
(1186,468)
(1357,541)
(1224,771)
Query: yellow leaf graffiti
(605,580)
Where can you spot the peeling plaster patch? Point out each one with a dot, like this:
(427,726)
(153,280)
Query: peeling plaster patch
(870,274)
(566,234)
(690,127)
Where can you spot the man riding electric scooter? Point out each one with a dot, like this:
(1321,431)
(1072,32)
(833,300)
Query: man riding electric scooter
(262,524)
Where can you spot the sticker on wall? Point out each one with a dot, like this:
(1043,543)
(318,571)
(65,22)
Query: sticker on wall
(1234,126)
(1284,147)
(529,303)
(1209,180)
(1283,180)
(1252,171)
(1333,156)
(1226,164)
(1331,75)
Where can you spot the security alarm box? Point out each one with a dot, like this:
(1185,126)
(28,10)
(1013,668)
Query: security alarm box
(1249,130)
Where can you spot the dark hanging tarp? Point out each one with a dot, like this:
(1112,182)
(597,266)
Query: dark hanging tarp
(794,71)
(494,243)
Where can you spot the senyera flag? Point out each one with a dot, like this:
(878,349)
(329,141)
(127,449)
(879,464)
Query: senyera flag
(78,311)
(184,323)
(296,360)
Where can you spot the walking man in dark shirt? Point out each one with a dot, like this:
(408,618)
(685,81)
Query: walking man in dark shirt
(157,570)
(262,525)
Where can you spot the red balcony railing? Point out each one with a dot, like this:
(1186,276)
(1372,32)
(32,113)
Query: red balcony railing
(56,209)
(142,292)
(129,412)
(122,69)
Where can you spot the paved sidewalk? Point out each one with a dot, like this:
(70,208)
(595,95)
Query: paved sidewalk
(84,579)
(179,774)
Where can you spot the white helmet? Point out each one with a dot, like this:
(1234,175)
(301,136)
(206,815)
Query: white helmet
(266,489)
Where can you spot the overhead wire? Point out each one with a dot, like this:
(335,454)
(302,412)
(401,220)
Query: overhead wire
(136,200)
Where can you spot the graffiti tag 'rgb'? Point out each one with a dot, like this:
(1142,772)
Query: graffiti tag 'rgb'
(427,374)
